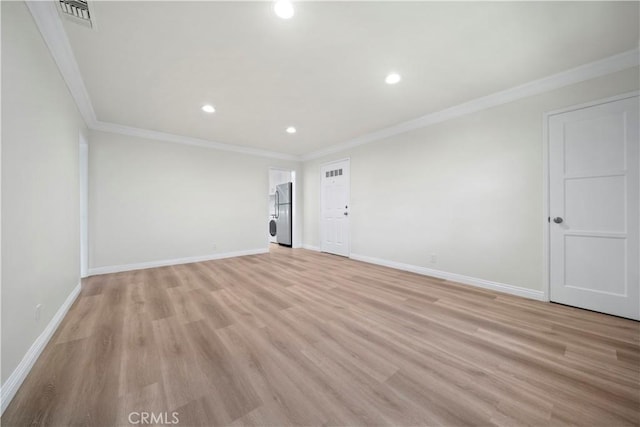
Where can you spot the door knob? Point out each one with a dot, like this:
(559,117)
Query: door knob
(346,213)
(558,220)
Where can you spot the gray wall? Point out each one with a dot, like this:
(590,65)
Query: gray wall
(40,185)
(468,190)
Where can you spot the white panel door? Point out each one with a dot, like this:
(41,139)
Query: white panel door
(594,187)
(334,202)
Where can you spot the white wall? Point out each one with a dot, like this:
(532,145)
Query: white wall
(277,177)
(156,201)
(40,188)
(468,190)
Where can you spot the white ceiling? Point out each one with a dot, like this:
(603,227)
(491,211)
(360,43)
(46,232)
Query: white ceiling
(152,65)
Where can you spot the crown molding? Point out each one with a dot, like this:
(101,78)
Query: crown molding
(181,139)
(49,23)
(579,74)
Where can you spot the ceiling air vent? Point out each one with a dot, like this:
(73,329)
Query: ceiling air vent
(76,10)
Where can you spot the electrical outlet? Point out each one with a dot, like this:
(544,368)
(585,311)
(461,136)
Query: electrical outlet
(38,312)
(434,259)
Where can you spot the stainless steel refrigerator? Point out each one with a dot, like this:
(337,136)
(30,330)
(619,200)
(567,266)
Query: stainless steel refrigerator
(284,209)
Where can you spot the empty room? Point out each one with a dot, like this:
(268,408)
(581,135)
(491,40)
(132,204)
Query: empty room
(320,213)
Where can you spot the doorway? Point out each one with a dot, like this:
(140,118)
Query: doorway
(594,207)
(334,207)
(84,206)
(282,207)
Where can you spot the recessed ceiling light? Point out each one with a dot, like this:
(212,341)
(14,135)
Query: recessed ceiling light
(284,9)
(393,78)
(208,108)
(291,129)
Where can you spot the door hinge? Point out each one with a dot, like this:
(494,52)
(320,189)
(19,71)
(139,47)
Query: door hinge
(548,219)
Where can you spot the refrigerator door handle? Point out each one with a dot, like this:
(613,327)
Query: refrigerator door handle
(277,207)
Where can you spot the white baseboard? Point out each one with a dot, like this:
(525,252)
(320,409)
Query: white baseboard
(311,248)
(453,277)
(166,262)
(13,383)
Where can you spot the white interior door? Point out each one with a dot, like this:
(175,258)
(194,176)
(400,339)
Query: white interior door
(594,206)
(334,227)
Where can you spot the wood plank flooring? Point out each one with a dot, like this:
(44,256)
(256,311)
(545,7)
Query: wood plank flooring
(300,338)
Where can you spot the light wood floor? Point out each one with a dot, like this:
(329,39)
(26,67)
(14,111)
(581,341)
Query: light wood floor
(300,338)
